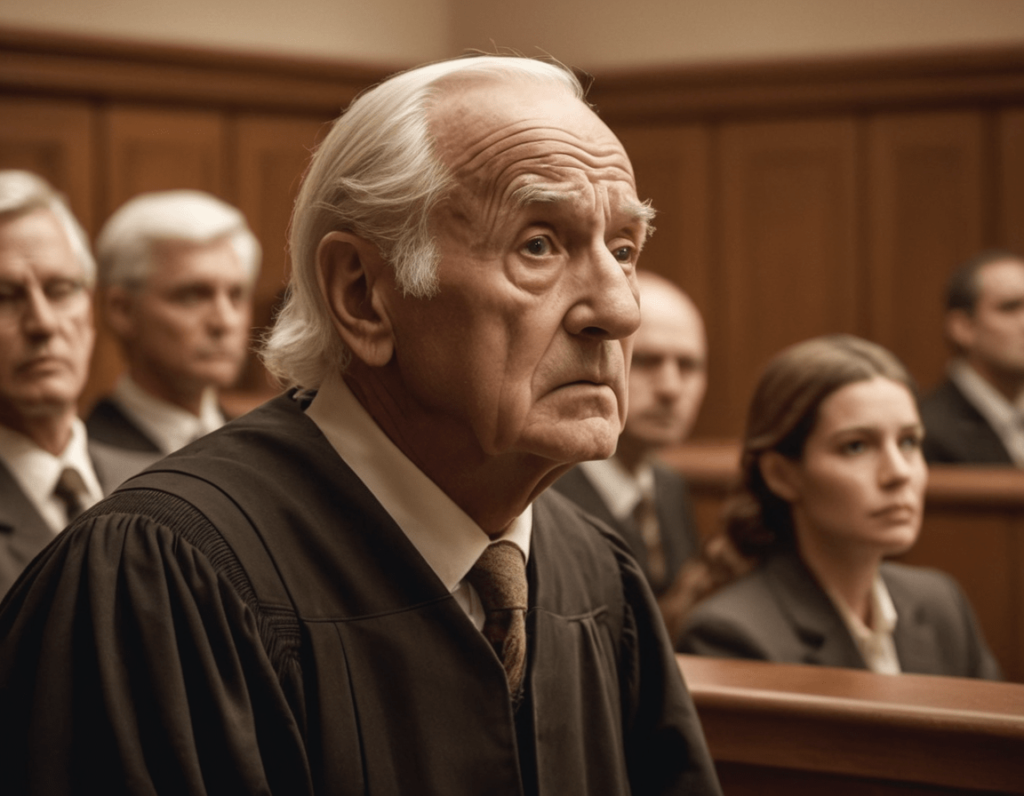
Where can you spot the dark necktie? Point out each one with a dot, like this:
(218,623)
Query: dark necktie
(646,517)
(499,577)
(72,492)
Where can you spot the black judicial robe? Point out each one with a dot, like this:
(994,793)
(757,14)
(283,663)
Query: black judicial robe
(275,632)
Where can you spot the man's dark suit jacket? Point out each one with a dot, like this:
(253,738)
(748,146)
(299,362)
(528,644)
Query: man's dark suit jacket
(24,532)
(107,423)
(779,613)
(675,517)
(956,432)
(245,617)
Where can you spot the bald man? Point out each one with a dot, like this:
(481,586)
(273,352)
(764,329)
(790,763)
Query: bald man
(645,501)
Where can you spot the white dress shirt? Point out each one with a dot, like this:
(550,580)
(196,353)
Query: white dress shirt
(169,426)
(37,471)
(1005,418)
(875,643)
(620,489)
(447,538)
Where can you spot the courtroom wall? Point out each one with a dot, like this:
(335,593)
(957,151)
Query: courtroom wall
(382,32)
(592,34)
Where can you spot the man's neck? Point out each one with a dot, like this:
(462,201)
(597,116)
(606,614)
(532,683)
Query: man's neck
(189,398)
(51,432)
(1009,385)
(631,454)
(492,490)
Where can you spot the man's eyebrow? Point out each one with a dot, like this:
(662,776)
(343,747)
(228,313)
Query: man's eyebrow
(538,194)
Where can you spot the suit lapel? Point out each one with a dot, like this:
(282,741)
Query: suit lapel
(827,641)
(23,531)
(917,645)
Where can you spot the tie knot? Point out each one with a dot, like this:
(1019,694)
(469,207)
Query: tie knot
(499,577)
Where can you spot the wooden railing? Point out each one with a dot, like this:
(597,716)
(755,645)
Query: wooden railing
(779,728)
(973,529)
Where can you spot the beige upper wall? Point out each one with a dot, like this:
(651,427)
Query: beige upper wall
(377,32)
(594,34)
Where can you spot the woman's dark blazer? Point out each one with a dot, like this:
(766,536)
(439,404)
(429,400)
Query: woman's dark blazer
(779,613)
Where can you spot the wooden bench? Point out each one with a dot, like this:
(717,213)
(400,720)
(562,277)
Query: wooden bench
(973,529)
(781,728)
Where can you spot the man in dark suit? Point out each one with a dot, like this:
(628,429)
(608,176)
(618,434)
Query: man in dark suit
(976,416)
(363,585)
(176,271)
(645,501)
(48,470)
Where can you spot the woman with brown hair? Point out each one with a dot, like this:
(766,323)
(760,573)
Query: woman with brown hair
(833,482)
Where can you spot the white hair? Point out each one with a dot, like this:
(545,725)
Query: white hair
(125,246)
(22,192)
(376,175)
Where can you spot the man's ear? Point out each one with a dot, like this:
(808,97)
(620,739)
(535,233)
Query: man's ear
(350,272)
(119,311)
(960,329)
(780,474)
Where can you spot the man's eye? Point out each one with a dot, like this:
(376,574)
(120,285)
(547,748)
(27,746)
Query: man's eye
(538,247)
(623,254)
(62,289)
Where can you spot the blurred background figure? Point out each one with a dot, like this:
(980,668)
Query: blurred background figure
(49,471)
(833,482)
(645,501)
(976,416)
(176,272)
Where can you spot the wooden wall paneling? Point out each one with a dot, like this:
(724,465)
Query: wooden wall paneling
(928,195)
(673,169)
(1010,171)
(788,227)
(158,149)
(987,576)
(268,158)
(151,149)
(56,140)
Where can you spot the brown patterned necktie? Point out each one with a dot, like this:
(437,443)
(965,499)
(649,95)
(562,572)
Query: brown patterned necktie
(72,492)
(499,577)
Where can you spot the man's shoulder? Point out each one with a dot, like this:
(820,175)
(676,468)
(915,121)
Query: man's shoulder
(109,424)
(956,432)
(946,400)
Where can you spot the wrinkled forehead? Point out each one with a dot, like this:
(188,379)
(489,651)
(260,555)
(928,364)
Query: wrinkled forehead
(521,140)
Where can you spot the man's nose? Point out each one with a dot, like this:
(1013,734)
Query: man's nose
(608,307)
(39,318)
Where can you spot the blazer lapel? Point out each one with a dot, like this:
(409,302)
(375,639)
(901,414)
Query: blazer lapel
(23,531)
(917,645)
(828,643)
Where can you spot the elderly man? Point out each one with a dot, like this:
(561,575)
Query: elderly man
(176,270)
(48,472)
(976,416)
(645,501)
(360,587)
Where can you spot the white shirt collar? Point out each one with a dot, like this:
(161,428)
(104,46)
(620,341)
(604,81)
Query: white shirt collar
(875,643)
(169,426)
(447,538)
(1003,416)
(36,471)
(620,490)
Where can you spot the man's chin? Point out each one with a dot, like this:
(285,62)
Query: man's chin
(571,443)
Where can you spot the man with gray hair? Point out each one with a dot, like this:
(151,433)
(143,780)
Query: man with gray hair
(49,472)
(176,270)
(362,586)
